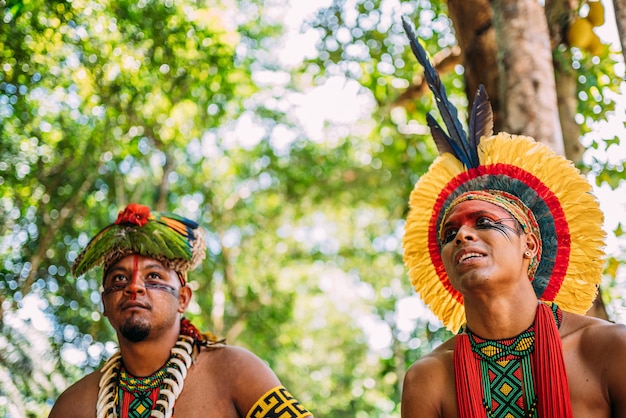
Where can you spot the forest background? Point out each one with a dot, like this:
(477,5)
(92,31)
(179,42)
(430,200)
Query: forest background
(294,133)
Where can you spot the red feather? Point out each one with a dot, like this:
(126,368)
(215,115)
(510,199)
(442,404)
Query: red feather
(134,214)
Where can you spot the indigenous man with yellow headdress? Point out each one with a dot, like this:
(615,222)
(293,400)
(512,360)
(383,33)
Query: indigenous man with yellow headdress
(164,367)
(503,241)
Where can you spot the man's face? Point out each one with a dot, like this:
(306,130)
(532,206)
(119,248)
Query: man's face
(141,296)
(481,242)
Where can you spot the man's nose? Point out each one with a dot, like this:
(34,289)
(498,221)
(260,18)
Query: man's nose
(135,286)
(465,233)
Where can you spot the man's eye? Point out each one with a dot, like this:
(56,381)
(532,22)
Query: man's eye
(448,235)
(154,276)
(116,282)
(484,222)
(118,278)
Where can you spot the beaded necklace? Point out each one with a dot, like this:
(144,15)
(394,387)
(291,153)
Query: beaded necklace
(133,384)
(506,371)
(169,379)
(139,394)
(506,368)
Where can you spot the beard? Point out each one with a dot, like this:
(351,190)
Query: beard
(135,330)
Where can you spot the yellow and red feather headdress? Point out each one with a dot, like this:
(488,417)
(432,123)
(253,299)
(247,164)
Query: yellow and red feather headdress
(568,215)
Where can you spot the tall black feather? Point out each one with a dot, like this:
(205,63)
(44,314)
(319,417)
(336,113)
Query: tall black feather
(481,122)
(457,136)
(442,140)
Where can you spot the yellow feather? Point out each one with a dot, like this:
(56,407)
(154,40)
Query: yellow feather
(580,208)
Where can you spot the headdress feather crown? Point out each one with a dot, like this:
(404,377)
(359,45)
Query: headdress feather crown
(568,215)
(174,240)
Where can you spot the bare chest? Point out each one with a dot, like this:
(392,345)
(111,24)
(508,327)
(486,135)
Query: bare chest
(205,396)
(584,377)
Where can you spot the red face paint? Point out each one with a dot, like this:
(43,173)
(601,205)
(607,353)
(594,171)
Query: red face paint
(475,214)
(133,280)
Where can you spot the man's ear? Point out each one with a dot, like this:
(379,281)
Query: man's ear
(104,307)
(184,297)
(532,244)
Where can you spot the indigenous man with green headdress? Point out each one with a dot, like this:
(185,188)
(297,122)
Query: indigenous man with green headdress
(503,241)
(164,367)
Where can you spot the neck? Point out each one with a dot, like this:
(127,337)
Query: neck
(146,357)
(497,317)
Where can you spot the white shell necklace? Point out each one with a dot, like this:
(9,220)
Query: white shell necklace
(180,361)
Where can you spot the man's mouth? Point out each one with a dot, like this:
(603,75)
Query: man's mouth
(469,256)
(133,305)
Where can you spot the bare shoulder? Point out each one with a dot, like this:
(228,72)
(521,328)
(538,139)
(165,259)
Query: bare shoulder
(236,373)
(235,361)
(252,382)
(437,362)
(593,341)
(593,332)
(594,353)
(78,400)
(428,389)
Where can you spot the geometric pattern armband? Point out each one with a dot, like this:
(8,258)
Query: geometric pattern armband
(278,403)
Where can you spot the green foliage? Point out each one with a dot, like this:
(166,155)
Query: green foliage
(98,99)
(597,85)
(181,106)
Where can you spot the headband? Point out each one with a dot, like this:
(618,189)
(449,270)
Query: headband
(173,240)
(520,212)
(567,215)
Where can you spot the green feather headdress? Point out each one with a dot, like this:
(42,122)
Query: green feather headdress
(175,241)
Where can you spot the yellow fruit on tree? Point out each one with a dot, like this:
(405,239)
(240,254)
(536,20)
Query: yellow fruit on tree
(596,13)
(580,33)
(595,46)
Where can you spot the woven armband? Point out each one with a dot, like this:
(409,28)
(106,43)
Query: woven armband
(278,403)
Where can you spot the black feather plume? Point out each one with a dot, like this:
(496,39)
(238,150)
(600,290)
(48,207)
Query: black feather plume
(481,121)
(442,140)
(458,143)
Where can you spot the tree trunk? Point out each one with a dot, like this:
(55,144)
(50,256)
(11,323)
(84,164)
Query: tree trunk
(475,34)
(559,15)
(620,19)
(528,88)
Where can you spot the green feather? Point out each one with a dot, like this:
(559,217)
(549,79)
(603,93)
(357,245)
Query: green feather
(155,238)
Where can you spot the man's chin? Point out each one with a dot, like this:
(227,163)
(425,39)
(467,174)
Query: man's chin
(135,330)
